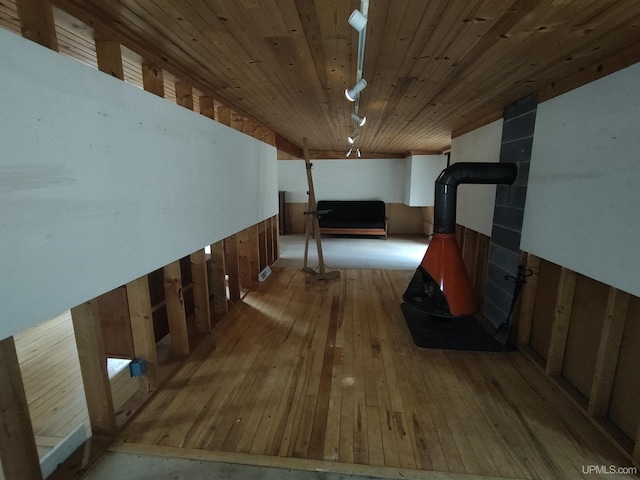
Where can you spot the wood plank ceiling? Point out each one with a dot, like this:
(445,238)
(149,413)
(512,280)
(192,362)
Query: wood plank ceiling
(434,67)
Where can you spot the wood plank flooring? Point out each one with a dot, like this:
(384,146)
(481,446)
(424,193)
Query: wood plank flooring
(328,371)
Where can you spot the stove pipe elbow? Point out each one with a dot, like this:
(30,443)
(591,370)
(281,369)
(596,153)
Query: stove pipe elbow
(465,172)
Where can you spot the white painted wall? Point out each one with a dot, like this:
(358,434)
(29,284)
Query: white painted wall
(101,183)
(476,202)
(421,172)
(357,179)
(583,197)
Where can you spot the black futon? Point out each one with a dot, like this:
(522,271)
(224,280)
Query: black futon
(353,217)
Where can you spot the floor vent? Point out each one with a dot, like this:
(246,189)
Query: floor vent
(262,276)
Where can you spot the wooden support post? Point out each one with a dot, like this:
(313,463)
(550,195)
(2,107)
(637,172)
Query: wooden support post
(176,316)
(232,267)
(608,352)
(93,367)
(200,280)
(207,107)
(269,233)
(254,254)
(276,238)
(561,320)
(219,284)
(18,450)
(36,22)
(244,258)
(184,95)
(152,79)
(262,245)
(109,55)
(142,331)
(525,319)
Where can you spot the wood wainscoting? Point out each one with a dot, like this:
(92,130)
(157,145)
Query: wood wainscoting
(586,336)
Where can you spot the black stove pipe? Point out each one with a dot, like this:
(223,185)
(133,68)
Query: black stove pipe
(465,172)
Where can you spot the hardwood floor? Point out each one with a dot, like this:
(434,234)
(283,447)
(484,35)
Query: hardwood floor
(328,371)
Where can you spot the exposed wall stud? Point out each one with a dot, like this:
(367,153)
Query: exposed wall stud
(561,319)
(93,367)
(17,444)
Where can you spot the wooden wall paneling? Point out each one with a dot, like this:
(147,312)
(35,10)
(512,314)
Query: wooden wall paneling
(207,107)
(201,302)
(262,245)
(116,323)
(142,330)
(608,352)
(232,266)
(218,277)
(36,22)
(527,305)
(469,249)
(542,322)
(583,338)
(18,451)
(108,54)
(561,321)
(295,219)
(184,95)
(482,264)
(93,367)
(174,301)
(152,79)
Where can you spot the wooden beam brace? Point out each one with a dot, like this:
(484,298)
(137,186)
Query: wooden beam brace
(608,352)
(525,319)
(207,107)
(142,331)
(109,55)
(184,95)
(288,146)
(152,79)
(93,367)
(18,450)
(224,115)
(176,316)
(36,22)
(232,266)
(561,320)
(218,280)
(200,281)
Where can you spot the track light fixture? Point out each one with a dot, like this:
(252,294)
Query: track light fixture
(360,121)
(352,93)
(357,20)
(349,152)
(353,137)
(358,154)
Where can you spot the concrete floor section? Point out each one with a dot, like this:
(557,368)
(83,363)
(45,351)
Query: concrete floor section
(398,252)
